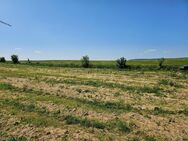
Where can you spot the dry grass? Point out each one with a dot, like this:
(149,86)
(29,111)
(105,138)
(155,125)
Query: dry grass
(92,104)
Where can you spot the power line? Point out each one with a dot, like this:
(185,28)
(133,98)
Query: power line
(5,23)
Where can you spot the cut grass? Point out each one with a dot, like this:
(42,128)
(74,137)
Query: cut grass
(184,111)
(112,106)
(167,82)
(161,111)
(96,83)
(123,126)
(47,118)
(84,112)
(84,122)
(74,102)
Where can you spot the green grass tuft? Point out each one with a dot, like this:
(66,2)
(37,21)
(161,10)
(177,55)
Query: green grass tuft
(167,82)
(160,111)
(5,86)
(16,138)
(84,122)
(121,125)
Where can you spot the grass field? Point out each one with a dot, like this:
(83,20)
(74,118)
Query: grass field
(141,64)
(64,103)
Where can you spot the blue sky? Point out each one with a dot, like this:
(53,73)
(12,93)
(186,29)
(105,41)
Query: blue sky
(102,29)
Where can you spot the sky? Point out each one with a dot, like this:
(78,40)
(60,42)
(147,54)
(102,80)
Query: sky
(101,29)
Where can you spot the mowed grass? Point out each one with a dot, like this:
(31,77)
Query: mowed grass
(64,103)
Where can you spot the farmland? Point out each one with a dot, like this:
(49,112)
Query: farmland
(143,64)
(39,101)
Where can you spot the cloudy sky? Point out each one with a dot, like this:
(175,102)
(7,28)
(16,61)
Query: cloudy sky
(102,29)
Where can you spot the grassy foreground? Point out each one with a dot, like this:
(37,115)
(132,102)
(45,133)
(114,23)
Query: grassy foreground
(59,103)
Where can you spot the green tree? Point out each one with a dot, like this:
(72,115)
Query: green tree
(15,59)
(161,62)
(85,61)
(28,60)
(121,63)
(2,60)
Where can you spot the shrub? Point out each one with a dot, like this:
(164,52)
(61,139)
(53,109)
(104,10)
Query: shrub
(85,61)
(121,63)
(161,62)
(15,59)
(2,60)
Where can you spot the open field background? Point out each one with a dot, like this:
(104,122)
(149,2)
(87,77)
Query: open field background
(138,64)
(57,103)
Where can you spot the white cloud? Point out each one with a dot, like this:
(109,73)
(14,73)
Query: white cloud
(37,52)
(150,50)
(17,48)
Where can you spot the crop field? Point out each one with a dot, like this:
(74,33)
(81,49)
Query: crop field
(45,103)
(151,63)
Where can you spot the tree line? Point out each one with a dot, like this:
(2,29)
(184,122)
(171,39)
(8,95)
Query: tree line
(121,63)
(14,58)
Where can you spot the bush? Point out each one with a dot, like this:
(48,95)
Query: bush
(2,60)
(161,62)
(121,63)
(85,61)
(15,59)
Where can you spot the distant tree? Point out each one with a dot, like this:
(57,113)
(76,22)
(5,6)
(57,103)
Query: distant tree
(2,60)
(85,61)
(121,63)
(28,61)
(15,59)
(161,62)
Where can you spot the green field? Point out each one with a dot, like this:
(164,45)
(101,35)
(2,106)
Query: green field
(47,102)
(142,64)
